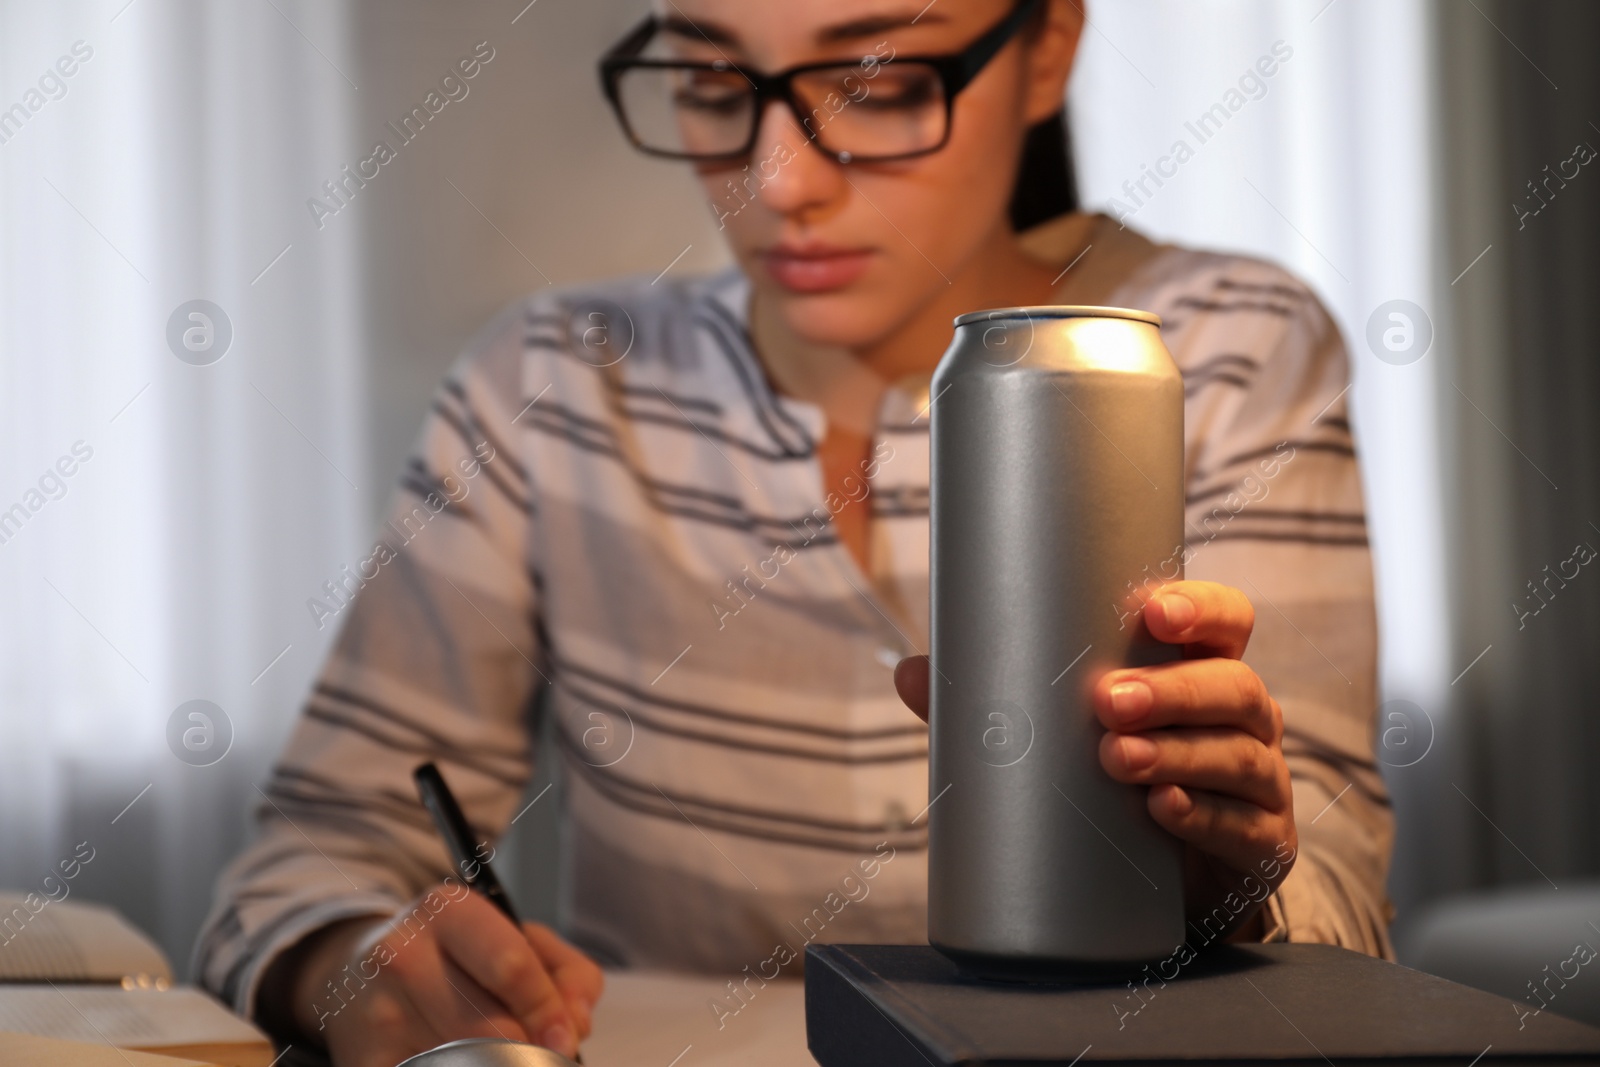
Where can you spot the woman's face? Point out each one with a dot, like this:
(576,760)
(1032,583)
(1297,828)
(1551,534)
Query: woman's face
(848,253)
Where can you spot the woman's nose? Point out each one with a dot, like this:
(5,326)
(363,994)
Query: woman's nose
(795,175)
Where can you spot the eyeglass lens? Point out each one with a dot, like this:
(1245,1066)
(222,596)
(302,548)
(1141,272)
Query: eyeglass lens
(868,110)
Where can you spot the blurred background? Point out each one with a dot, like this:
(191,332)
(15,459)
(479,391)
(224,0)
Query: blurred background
(1424,164)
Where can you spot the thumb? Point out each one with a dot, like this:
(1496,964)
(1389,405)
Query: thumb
(911,682)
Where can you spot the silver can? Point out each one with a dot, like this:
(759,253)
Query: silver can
(1056,509)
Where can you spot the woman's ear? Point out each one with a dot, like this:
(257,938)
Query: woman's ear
(1051,50)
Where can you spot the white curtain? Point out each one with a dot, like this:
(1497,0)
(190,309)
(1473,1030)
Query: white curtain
(206,501)
(1326,165)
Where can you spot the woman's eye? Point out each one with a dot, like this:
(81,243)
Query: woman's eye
(909,96)
(709,100)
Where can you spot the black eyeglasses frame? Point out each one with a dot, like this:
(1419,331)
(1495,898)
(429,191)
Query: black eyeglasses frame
(955,71)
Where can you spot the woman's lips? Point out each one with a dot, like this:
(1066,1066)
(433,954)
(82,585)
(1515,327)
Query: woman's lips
(816,270)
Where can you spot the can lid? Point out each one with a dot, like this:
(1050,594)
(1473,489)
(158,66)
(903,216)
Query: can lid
(1060,311)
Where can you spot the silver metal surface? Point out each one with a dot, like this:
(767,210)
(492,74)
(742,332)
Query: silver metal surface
(1056,501)
(488,1052)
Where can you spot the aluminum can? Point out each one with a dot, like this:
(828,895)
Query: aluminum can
(1056,510)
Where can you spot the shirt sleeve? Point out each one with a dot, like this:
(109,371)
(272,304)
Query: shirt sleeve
(1275,509)
(437,658)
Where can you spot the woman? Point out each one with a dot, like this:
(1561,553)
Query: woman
(689,520)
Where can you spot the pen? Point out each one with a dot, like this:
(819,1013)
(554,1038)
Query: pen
(458,837)
(441,804)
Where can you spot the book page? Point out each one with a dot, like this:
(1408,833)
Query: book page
(65,941)
(131,1018)
(26,1050)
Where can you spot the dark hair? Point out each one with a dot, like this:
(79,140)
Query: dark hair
(1046,185)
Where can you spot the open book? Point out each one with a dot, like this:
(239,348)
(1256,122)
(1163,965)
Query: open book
(81,972)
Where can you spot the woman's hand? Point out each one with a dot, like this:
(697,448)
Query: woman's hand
(450,966)
(1205,735)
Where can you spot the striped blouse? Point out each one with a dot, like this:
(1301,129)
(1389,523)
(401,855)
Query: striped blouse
(612,521)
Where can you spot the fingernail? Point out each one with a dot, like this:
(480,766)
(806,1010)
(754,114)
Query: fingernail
(1177,610)
(1138,752)
(559,1038)
(1131,700)
(1182,802)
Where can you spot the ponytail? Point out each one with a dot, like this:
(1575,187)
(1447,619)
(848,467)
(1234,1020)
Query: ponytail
(1046,186)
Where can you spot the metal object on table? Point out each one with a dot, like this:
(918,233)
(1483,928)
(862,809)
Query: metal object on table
(1056,510)
(488,1052)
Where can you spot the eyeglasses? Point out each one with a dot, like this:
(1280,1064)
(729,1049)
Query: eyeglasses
(875,109)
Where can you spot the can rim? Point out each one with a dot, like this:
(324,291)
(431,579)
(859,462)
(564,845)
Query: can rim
(1060,311)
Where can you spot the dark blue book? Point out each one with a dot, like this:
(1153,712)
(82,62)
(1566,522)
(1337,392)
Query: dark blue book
(909,1006)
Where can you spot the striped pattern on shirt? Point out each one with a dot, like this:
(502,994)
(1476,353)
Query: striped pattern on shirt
(612,519)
